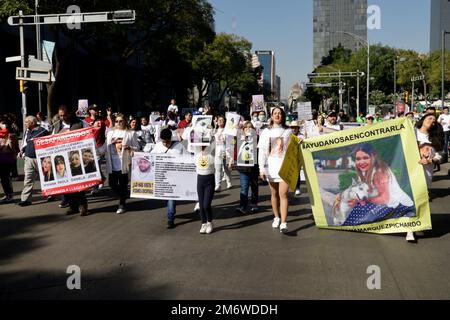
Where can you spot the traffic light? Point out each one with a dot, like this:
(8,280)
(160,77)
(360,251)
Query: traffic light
(406,96)
(21,86)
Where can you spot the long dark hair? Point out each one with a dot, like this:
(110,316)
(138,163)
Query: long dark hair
(435,133)
(283,118)
(377,163)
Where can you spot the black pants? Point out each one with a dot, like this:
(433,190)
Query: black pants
(119,183)
(5,176)
(205,191)
(76,199)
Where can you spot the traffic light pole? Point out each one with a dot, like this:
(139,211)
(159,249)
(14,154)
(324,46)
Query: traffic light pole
(22,65)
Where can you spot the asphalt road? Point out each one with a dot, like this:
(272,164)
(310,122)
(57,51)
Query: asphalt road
(134,256)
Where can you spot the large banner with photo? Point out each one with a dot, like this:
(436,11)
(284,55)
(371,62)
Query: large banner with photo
(163,176)
(67,162)
(367,179)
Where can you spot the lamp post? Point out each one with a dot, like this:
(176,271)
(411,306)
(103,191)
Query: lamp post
(395,77)
(367,44)
(443,65)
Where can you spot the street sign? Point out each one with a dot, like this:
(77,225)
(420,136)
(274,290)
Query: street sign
(413,79)
(13,59)
(36,75)
(120,16)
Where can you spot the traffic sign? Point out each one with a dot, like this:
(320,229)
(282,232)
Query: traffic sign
(13,59)
(36,75)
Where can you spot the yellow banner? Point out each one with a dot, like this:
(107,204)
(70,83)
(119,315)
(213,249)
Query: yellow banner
(290,169)
(367,179)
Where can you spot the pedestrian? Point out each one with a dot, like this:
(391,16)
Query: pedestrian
(167,146)
(220,158)
(248,175)
(31,166)
(68,122)
(277,134)
(369,120)
(444,120)
(430,143)
(8,156)
(136,127)
(172,107)
(204,160)
(120,145)
(186,122)
(43,122)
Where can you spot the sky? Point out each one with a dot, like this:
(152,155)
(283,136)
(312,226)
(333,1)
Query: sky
(286,27)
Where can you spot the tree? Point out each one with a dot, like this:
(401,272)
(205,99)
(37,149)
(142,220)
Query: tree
(377,97)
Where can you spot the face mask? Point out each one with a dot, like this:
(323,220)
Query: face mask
(255,119)
(2,126)
(261,118)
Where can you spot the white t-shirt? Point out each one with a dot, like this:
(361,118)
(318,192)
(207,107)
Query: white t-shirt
(445,118)
(422,138)
(172,108)
(176,148)
(272,146)
(204,163)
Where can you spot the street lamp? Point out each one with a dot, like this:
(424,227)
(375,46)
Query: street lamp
(367,44)
(443,65)
(402,59)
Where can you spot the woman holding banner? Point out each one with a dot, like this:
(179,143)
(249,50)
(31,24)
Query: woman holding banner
(220,163)
(277,136)
(120,145)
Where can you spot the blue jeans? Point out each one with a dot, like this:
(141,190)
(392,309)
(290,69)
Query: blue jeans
(249,179)
(446,141)
(171,210)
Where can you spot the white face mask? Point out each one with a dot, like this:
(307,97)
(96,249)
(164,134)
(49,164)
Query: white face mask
(261,118)
(2,126)
(255,119)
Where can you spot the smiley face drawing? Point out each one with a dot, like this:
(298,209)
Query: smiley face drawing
(203,163)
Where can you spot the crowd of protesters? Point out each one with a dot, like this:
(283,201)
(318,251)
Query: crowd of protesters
(120,136)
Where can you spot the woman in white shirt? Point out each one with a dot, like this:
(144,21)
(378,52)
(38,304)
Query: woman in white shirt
(220,155)
(120,145)
(272,146)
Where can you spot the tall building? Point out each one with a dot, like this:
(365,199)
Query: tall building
(267,60)
(330,18)
(278,88)
(440,20)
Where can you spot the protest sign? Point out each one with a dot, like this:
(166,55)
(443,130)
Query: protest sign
(82,110)
(163,176)
(258,103)
(367,179)
(290,169)
(232,123)
(67,162)
(201,132)
(246,146)
(350,125)
(304,111)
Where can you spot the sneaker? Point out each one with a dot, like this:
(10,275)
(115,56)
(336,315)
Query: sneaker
(6,199)
(209,227)
(170,224)
(197,207)
(83,210)
(241,210)
(229,185)
(276,222)
(297,192)
(203,228)
(410,237)
(253,208)
(283,227)
(217,189)
(24,203)
(63,204)
(121,210)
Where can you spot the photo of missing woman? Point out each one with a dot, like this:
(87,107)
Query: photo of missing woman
(201,130)
(277,147)
(88,161)
(364,183)
(61,167)
(75,163)
(47,169)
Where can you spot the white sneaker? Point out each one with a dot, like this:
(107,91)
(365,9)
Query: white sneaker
(410,237)
(197,207)
(229,185)
(283,227)
(203,228)
(276,222)
(217,189)
(297,192)
(209,227)
(121,210)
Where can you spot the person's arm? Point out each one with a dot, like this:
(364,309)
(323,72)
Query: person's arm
(381,182)
(263,153)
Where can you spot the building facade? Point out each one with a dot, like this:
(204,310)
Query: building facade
(267,60)
(331,18)
(440,20)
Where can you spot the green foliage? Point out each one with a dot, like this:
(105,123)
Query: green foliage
(377,97)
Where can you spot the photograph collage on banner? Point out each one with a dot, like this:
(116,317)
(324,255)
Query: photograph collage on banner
(67,162)
(358,184)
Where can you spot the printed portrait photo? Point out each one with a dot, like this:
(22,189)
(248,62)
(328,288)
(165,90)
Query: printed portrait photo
(61,167)
(76,168)
(47,169)
(142,169)
(88,161)
(364,183)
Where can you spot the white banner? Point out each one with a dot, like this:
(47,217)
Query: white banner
(163,176)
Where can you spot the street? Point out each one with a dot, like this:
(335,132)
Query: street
(134,256)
